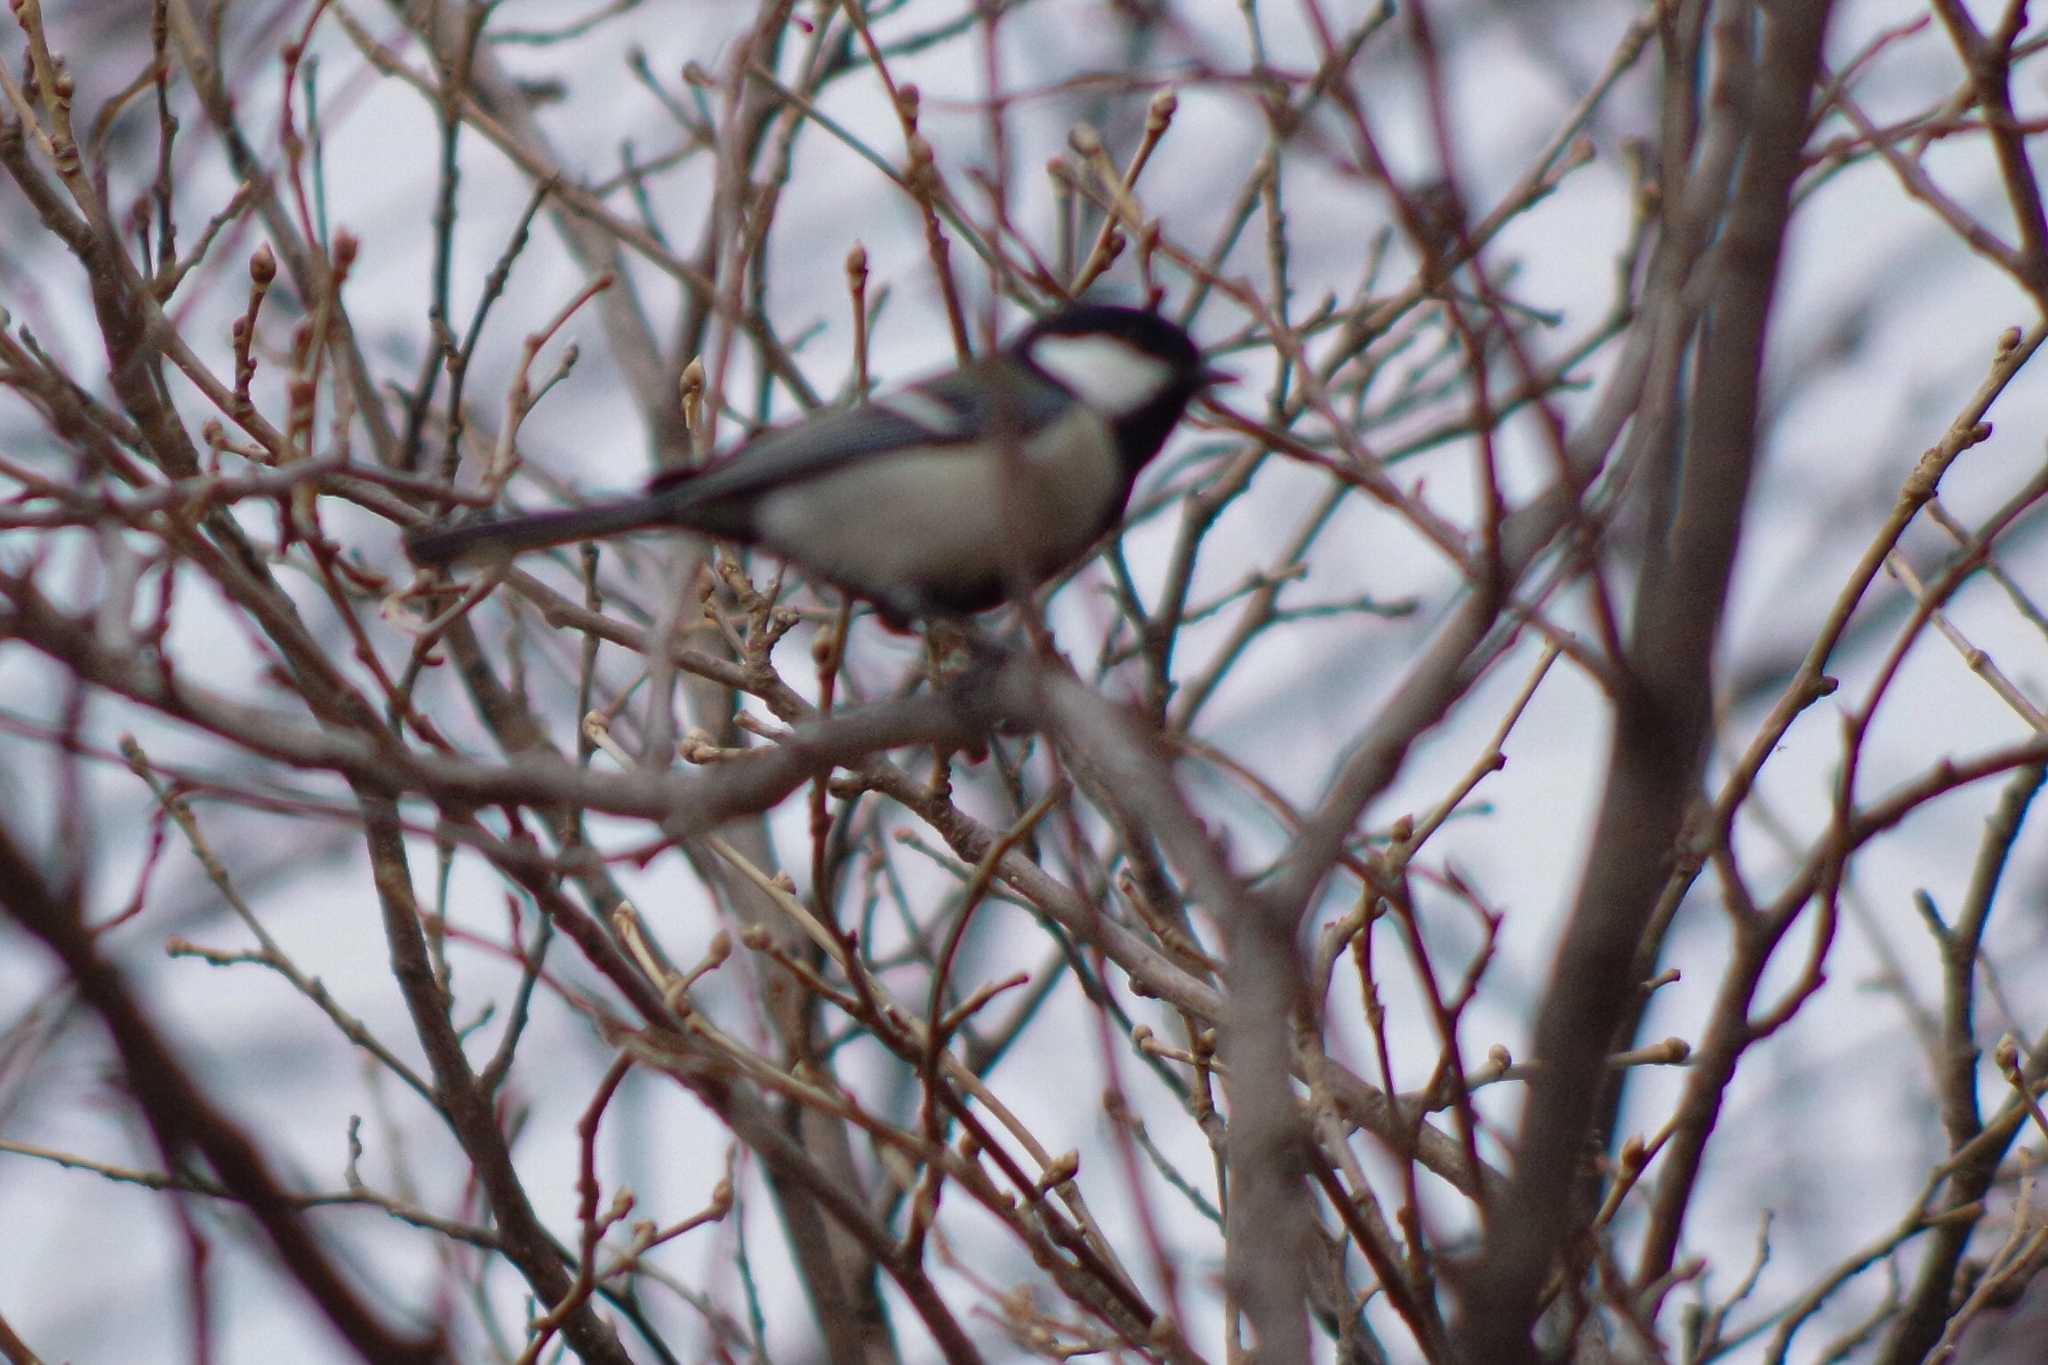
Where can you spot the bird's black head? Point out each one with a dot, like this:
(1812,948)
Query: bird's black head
(1131,365)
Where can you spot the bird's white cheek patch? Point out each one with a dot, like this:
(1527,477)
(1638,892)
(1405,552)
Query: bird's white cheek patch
(1107,374)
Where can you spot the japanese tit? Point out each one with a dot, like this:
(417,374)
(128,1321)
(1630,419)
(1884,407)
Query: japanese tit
(945,498)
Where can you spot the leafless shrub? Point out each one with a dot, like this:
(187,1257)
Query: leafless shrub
(685,967)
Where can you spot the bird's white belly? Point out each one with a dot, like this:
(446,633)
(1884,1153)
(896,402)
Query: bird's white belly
(919,521)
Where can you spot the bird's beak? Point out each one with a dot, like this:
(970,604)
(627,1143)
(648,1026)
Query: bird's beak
(1210,377)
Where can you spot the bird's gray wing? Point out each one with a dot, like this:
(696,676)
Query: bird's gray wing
(986,398)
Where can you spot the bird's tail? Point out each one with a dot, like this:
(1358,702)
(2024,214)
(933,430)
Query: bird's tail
(498,538)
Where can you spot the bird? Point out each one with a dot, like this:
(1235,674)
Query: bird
(945,498)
